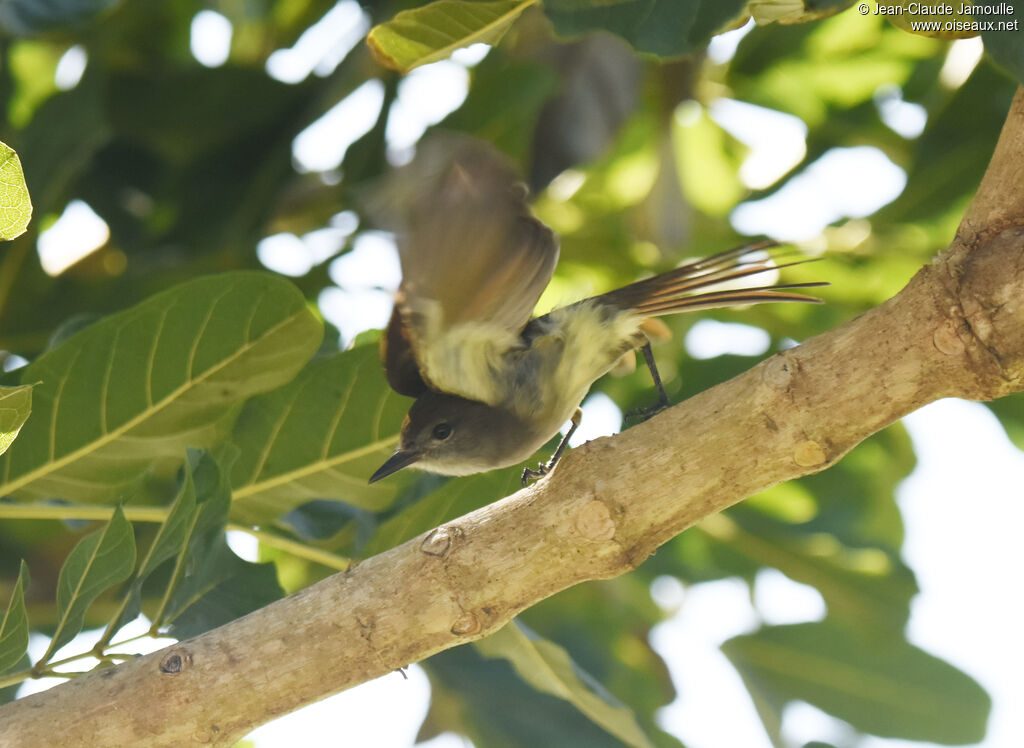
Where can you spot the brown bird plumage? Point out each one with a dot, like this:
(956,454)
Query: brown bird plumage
(491,384)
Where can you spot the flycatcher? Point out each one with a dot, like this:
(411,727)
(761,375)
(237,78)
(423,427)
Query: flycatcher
(491,383)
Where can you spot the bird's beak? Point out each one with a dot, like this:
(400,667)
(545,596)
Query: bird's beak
(395,462)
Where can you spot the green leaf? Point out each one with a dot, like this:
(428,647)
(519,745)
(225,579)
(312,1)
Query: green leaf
(489,702)
(707,163)
(193,575)
(10,693)
(15,407)
(61,140)
(320,437)
(192,512)
(220,588)
(99,561)
(15,203)
(856,501)
(667,28)
(14,624)
(456,497)
(937,176)
(431,33)
(1005,44)
(549,668)
(26,17)
(209,584)
(794,11)
(636,672)
(865,586)
(1010,412)
(173,532)
(200,506)
(948,25)
(142,385)
(885,687)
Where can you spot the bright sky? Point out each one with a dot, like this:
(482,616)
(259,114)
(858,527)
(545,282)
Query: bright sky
(961,505)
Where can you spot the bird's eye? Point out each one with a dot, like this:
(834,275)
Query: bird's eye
(441,431)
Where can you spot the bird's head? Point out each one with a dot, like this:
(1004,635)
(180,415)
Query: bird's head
(453,435)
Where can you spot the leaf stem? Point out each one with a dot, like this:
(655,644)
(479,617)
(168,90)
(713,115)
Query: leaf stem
(297,548)
(130,639)
(12,510)
(176,576)
(48,670)
(13,679)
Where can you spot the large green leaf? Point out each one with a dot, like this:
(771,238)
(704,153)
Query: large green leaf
(667,28)
(15,204)
(320,437)
(549,668)
(14,624)
(15,407)
(431,33)
(99,561)
(144,384)
(884,687)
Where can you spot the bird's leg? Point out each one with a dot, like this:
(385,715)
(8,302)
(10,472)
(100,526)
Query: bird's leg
(663,401)
(662,395)
(545,468)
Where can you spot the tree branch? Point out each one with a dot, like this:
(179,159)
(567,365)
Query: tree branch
(957,329)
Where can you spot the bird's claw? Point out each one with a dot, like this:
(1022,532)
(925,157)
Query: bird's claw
(539,472)
(642,414)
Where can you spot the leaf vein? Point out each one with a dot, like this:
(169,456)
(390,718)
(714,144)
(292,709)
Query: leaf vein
(269,445)
(104,390)
(152,356)
(55,406)
(340,412)
(202,329)
(56,464)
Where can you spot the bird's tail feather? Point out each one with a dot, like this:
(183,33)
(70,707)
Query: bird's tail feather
(684,288)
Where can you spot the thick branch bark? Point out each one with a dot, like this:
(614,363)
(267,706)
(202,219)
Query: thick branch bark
(957,329)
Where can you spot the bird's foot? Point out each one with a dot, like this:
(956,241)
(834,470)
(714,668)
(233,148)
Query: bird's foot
(540,471)
(545,467)
(639,415)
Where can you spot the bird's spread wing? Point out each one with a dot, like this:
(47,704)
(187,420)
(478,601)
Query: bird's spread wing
(474,264)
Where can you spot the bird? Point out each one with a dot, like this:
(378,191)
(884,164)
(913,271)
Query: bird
(492,383)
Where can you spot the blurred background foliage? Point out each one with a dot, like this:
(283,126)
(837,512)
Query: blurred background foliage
(191,166)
